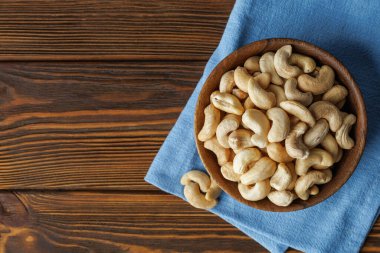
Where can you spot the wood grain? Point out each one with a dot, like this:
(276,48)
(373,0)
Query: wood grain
(101,30)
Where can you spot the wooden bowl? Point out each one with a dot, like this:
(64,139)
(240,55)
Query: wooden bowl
(355,104)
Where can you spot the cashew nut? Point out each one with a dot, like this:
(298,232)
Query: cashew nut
(227,82)
(294,144)
(260,97)
(342,135)
(259,124)
(248,104)
(305,182)
(196,198)
(214,191)
(226,102)
(267,66)
(241,77)
(199,177)
(316,134)
(336,94)
(212,119)
(314,190)
(323,81)
(228,172)
(330,145)
(264,168)
(280,124)
(318,158)
(230,123)
(281,63)
(292,93)
(278,153)
(252,64)
(307,64)
(278,92)
(240,139)
(281,198)
(282,178)
(298,110)
(294,176)
(244,159)
(256,192)
(222,154)
(328,111)
(239,94)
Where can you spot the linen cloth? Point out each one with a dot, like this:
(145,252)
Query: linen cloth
(350,30)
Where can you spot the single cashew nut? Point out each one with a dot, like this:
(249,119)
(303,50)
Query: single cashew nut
(318,158)
(307,64)
(277,152)
(316,134)
(330,144)
(294,176)
(336,94)
(279,93)
(294,144)
(342,135)
(282,178)
(230,123)
(292,93)
(319,84)
(196,198)
(281,63)
(267,66)
(240,139)
(252,64)
(305,182)
(222,154)
(260,97)
(264,168)
(248,104)
(328,111)
(226,102)
(228,172)
(227,82)
(214,191)
(199,177)
(244,159)
(258,122)
(256,192)
(212,119)
(241,77)
(239,94)
(281,198)
(298,110)
(280,124)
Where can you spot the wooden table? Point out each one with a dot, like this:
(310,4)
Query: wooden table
(88,92)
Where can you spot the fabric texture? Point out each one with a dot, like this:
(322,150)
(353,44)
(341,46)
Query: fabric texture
(350,30)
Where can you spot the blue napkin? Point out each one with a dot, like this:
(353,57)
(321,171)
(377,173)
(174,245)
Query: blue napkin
(350,30)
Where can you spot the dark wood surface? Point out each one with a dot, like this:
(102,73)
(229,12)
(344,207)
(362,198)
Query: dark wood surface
(88,93)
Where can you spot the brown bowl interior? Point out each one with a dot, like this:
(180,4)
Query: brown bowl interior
(342,170)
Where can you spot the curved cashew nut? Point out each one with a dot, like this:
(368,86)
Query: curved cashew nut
(328,111)
(248,104)
(264,168)
(281,63)
(330,144)
(199,177)
(227,82)
(298,110)
(278,92)
(280,124)
(240,139)
(252,64)
(228,172)
(294,176)
(336,94)
(323,81)
(342,135)
(307,64)
(241,95)
(226,102)
(305,182)
(212,119)
(196,198)
(282,178)
(256,192)
(281,198)
(241,77)
(222,154)
(214,191)
(278,153)
(230,123)
(244,159)
(267,66)
(316,134)
(260,97)
(292,93)
(318,158)
(294,144)
(259,124)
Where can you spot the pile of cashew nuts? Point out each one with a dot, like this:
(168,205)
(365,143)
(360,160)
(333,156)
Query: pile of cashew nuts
(276,128)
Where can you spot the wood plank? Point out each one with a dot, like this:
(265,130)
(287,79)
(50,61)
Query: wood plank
(104,30)
(92,125)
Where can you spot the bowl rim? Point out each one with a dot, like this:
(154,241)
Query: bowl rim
(360,108)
